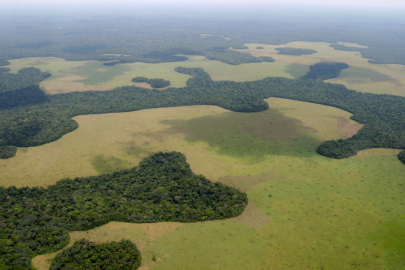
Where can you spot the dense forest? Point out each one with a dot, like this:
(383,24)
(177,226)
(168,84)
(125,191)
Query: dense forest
(294,51)
(155,83)
(383,115)
(401,157)
(325,71)
(25,77)
(148,39)
(162,188)
(4,63)
(84,255)
(235,57)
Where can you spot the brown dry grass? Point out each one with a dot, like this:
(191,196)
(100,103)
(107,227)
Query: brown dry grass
(252,217)
(348,129)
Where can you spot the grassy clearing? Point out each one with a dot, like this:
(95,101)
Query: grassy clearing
(362,76)
(105,143)
(306,211)
(323,221)
(92,75)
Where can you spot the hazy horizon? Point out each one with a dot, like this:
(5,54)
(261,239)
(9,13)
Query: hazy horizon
(261,6)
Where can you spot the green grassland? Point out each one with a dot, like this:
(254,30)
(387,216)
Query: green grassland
(69,76)
(362,76)
(306,211)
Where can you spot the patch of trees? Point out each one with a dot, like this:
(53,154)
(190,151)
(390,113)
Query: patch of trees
(383,116)
(7,152)
(36,220)
(25,77)
(295,51)
(260,47)
(22,97)
(401,156)
(377,55)
(4,62)
(234,57)
(155,83)
(325,70)
(88,255)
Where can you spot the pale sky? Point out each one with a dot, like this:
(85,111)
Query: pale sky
(365,3)
(396,6)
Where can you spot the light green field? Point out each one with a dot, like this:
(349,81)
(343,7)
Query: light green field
(92,75)
(105,143)
(362,76)
(305,211)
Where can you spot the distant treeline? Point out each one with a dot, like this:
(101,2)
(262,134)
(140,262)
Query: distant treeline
(294,51)
(383,115)
(155,83)
(36,220)
(159,39)
(85,255)
(234,57)
(377,55)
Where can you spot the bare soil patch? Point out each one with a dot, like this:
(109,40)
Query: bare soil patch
(252,217)
(347,129)
(70,84)
(377,152)
(157,230)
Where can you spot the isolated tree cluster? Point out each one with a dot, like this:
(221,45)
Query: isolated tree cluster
(162,188)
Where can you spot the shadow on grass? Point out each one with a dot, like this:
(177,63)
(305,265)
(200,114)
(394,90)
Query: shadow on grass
(249,135)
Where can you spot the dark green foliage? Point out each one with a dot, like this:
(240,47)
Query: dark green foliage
(260,48)
(383,115)
(234,57)
(337,149)
(379,55)
(295,51)
(7,151)
(155,83)
(401,156)
(4,63)
(25,77)
(267,59)
(22,97)
(88,255)
(325,70)
(162,188)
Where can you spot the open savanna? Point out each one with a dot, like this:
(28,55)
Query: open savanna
(70,76)
(238,142)
(361,75)
(305,211)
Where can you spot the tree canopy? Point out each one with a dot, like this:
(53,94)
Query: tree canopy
(88,255)
(325,70)
(155,83)
(294,51)
(36,220)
